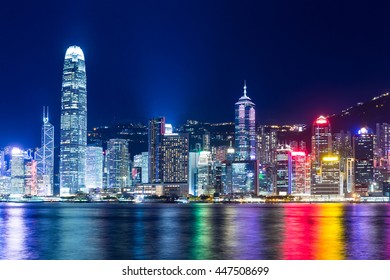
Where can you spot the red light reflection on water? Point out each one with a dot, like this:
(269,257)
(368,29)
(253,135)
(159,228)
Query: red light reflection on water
(299,235)
(313,231)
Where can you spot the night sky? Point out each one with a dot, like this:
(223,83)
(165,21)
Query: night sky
(188,59)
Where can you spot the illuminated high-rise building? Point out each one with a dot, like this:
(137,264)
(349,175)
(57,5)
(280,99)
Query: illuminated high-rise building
(2,164)
(174,158)
(44,157)
(321,145)
(267,142)
(73,133)
(321,141)
(329,183)
(299,177)
(350,176)
(94,167)
(145,168)
(155,134)
(193,160)
(383,139)
(17,172)
(118,163)
(31,179)
(245,128)
(204,179)
(282,180)
(363,153)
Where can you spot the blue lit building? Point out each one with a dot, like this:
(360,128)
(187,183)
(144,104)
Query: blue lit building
(94,168)
(155,135)
(118,163)
(73,135)
(44,157)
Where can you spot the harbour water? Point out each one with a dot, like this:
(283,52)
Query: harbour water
(105,231)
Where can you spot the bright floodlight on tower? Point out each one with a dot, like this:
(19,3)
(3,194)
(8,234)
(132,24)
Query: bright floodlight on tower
(16,151)
(363,130)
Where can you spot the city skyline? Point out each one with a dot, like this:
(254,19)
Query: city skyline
(181,60)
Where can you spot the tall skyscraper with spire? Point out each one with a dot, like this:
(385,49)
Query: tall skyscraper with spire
(73,143)
(245,128)
(45,157)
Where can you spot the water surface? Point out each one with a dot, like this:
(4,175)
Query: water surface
(60,231)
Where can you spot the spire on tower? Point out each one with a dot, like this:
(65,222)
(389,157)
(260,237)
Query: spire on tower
(244,87)
(45,114)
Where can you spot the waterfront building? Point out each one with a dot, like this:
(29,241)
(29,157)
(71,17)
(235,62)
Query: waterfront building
(94,168)
(136,170)
(245,128)
(363,153)
(5,185)
(330,183)
(217,177)
(136,176)
(204,180)
(17,172)
(299,177)
(137,160)
(350,176)
(73,134)
(193,160)
(266,144)
(145,168)
(245,175)
(155,133)
(118,163)
(321,144)
(2,164)
(44,157)
(174,157)
(282,180)
(31,178)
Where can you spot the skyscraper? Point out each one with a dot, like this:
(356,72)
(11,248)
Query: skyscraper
(17,172)
(363,152)
(94,167)
(321,145)
(45,157)
(245,128)
(2,163)
(118,163)
(155,134)
(299,177)
(73,143)
(174,158)
(282,181)
(321,141)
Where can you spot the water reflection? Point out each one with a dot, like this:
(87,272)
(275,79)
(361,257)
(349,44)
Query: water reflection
(299,234)
(13,234)
(329,244)
(195,231)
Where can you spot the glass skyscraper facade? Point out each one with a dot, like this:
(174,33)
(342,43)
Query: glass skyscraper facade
(363,152)
(321,140)
(118,163)
(45,158)
(245,128)
(73,122)
(94,168)
(155,134)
